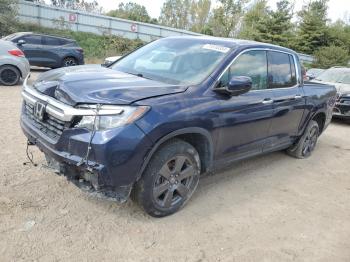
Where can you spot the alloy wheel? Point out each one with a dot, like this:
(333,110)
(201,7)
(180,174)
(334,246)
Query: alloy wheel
(175,181)
(8,76)
(310,141)
(70,62)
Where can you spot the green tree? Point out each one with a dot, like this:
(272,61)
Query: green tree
(186,14)
(276,27)
(226,19)
(176,13)
(329,56)
(200,11)
(312,31)
(132,11)
(8,14)
(339,35)
(255,15)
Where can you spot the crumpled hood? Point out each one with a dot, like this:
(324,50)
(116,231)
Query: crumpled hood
(94,84)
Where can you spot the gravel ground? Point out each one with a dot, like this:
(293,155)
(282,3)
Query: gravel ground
(270,208)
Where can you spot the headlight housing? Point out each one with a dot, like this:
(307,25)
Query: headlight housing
(101,121)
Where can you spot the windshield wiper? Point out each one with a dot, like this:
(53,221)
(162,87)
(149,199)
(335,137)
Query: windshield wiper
(139,75)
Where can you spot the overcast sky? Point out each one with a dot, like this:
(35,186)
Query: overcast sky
(337,8)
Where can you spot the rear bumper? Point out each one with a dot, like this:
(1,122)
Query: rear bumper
(113,165)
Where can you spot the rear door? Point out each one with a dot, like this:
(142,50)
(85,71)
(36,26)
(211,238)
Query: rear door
(245,119)
(32,48)
(289,100)
(51,51)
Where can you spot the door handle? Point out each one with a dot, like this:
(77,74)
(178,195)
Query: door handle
(267,101)
(298,96)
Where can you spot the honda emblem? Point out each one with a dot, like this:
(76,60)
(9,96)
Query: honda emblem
(39,110)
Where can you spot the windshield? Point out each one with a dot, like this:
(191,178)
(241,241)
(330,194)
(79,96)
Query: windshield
(335,75)
(175,60)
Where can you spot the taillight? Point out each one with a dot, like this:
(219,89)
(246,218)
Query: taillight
(16,52)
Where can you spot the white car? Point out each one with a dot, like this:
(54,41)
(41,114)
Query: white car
(312,73)
(340,78)
(13,64)
(110,60)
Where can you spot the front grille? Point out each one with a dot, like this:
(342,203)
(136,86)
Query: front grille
(50,126)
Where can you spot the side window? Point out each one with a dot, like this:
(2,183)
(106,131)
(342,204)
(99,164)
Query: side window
(252,64)
(32,39)
(282,72)
(51,41)
(64,42)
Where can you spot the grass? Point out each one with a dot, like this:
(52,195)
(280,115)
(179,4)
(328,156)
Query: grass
(96,47)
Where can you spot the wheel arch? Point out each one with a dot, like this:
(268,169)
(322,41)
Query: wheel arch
(199,138)
(320,118)
(15,66)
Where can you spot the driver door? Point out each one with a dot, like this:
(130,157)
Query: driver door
(245,119)
(32,49)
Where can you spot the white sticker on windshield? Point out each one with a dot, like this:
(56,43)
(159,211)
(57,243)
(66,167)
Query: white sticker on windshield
(219,48)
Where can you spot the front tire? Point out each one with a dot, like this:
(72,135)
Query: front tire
(9,75)
(169,180)
(307,143)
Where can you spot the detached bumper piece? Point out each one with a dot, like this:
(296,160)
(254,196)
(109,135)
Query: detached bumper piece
(342,107)
(86,178)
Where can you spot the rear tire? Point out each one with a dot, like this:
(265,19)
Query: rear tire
(9,75)
(307,143)
(69,61)
(169,180)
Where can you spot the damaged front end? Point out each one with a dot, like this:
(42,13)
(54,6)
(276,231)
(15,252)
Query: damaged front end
(97,147)
(87,179)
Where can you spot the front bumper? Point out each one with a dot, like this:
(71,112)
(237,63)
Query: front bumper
(113,164)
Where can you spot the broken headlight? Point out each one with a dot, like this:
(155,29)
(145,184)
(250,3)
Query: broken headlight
(99,121)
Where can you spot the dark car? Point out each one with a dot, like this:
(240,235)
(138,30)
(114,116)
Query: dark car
(148,130)
(48,51)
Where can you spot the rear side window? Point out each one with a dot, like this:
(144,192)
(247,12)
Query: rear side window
(32,39)
(252,64)
(281,68)
(51,41)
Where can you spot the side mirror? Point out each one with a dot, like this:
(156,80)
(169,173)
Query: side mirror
(21,42)
(238,85)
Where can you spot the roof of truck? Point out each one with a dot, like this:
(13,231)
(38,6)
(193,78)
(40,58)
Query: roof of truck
(232,42)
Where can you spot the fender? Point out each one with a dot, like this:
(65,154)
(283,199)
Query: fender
(311,115)
(183,131)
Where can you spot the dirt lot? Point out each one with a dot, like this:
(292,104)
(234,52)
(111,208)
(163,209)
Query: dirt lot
(270,208)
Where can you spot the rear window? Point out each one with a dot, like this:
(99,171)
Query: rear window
(281,68)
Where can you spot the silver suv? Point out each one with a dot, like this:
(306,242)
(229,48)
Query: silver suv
(13,64)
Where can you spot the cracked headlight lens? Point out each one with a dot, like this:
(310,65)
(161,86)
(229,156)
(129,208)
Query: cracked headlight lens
(128,115)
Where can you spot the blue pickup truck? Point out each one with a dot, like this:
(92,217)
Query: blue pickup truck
(150,124)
